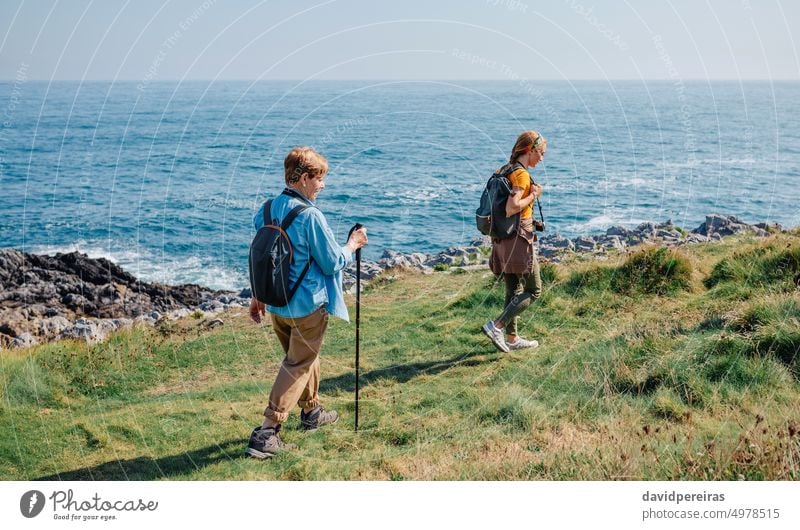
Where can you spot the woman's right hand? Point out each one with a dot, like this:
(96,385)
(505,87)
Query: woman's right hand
(257,310)
(536,190)
(357,239)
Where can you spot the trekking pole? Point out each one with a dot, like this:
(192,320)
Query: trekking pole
(357,226)
(541,214)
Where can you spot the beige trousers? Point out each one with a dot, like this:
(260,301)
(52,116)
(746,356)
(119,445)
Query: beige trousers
(298,377)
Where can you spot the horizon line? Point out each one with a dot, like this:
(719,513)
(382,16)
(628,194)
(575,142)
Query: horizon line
(409,80)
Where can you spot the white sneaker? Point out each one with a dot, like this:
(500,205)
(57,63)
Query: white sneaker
(496,336)
(522,344)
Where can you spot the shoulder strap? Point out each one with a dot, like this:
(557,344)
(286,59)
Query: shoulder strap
(291,216)
(288,220)
(267,212)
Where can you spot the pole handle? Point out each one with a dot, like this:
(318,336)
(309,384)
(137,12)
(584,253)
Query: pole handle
(356,226)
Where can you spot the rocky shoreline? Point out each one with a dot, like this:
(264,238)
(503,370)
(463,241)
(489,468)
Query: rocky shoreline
(554,247)
(71,296)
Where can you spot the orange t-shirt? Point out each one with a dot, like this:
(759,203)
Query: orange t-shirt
(522,179)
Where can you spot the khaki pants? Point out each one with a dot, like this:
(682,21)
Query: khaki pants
(298,377)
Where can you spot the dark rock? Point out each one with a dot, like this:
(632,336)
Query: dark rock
(456,252)
(769,227)
(584,243)
(611,242)
(211,306)
(557,241)
(36,289)
(53,326)
(214,323)
(87,330)
(669,234)
(617,231)
(549,252)
(415,261)
(721,224)
(646,229)
(24,340)
(483,241)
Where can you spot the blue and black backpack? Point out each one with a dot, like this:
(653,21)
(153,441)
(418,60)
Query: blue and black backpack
(490,217)
(271,257)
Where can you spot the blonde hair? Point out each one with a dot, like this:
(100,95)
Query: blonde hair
(303,160)
(526,141)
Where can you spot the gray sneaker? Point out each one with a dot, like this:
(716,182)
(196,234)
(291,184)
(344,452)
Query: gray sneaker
(317,418)
(496,336)
(265,443)
(522,344)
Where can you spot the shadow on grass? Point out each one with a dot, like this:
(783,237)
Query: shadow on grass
(146,468)
(402,373)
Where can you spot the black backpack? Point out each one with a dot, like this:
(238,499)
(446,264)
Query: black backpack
(490,217)
(271,257)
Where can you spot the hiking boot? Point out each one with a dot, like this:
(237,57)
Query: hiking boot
(522,344)
(318,417)
(265,443)
(496,336)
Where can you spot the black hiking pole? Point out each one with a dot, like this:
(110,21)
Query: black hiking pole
(541,213)
(357,226)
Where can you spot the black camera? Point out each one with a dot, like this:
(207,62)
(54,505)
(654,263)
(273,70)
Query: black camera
(538,226)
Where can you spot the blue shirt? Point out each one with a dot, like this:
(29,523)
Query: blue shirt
(311,236)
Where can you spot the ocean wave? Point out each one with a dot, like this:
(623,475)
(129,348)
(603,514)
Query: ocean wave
(414,196)
(601,223)
(718,161)
(150,266)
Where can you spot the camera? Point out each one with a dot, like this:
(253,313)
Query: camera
(538,225)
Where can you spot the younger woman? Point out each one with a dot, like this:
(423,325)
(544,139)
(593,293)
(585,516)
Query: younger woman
(515,258)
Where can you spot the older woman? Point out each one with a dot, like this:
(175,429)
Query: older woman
(300,325)
(515,258)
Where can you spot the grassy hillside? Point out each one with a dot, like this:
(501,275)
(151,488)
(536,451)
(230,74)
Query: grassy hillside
(660,365)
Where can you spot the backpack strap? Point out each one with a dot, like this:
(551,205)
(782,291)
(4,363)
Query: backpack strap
(292,215)
(267,212)
(287,221)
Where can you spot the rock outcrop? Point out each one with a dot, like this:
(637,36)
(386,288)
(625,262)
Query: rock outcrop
(73,296)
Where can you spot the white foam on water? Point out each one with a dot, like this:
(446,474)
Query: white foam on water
(592,225)
(602,222)
(150,266)
(414,196)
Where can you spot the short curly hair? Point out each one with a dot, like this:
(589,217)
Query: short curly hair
(303,160)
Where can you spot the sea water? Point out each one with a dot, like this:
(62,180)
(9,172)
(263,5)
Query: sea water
(164,178)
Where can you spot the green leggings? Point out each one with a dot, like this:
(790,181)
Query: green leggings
(521,291)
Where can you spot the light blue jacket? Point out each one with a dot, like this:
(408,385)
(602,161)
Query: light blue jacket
(311,236)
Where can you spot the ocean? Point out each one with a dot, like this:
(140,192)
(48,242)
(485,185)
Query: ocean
(163,178)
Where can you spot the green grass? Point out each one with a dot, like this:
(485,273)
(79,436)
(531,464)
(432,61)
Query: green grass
(658,365)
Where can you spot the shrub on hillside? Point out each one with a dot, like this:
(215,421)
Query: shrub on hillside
(549,273)
(661,271)
(597,278)
(765,265)
(767,310)
(771,326)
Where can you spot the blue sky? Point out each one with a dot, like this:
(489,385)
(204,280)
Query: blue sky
(344,39)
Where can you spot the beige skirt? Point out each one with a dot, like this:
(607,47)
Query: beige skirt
(515,255)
